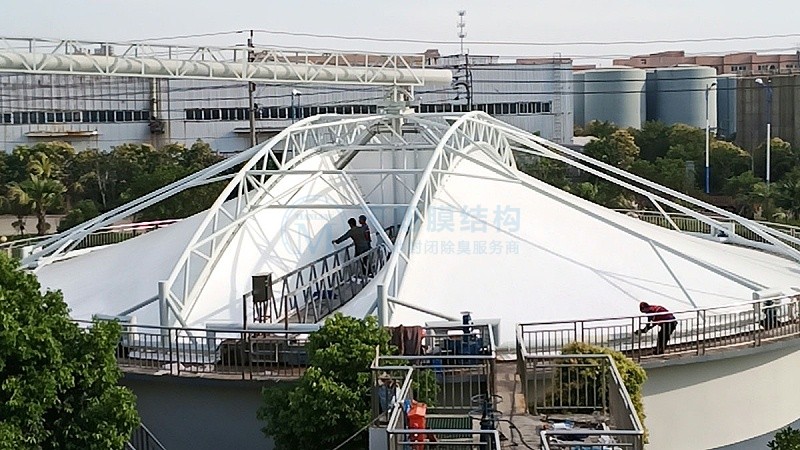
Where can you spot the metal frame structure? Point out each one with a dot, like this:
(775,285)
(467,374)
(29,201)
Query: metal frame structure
(445,140)
(237,63)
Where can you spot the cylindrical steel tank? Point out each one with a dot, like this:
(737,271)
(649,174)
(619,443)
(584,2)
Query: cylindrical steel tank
(680,95)
(615,94)
(726,106)
(577,104)
(651,99)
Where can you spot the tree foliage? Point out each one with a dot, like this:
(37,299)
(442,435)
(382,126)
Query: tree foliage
(653,140)
(600,129)
(632,374)
(331,401)
(58,382)
(783,158)
(786,439)
(617,149)
(52,177)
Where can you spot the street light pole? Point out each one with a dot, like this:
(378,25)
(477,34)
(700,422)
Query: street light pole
(708,141)
(768,87)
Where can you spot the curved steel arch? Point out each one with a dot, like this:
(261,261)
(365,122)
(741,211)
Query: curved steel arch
(251,186)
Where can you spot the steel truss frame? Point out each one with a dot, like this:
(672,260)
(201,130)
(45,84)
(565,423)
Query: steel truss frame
(499,138)
(446,139)
(237,63)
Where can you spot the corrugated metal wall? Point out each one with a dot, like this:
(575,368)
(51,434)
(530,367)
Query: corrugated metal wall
(101,112)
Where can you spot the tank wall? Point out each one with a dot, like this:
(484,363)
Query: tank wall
(578,99)
(187,414)
(615,95)
(715,403)
(726,107)
(680,96)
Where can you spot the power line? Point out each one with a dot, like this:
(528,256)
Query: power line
(528,44)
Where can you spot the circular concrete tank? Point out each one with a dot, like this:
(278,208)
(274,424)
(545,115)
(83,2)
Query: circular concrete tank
(680,95)
(615,94)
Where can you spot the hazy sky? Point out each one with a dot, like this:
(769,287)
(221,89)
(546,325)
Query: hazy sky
(528,21)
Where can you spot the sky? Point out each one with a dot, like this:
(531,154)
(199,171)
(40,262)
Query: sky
(553,25)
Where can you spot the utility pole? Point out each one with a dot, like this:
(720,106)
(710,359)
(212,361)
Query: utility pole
(467,83)
(251,89)
(461,32)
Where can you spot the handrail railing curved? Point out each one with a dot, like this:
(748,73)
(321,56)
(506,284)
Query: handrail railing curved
(698,330)
(107,235)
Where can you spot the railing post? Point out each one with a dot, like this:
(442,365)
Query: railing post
(177,353)
(633,336)
(757,324)
(697,333)
(163,308)
(531,399)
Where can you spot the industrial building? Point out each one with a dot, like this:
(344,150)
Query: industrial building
(739,63)
(457,227)
(101,112)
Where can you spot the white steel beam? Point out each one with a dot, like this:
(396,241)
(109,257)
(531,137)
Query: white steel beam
(243,64)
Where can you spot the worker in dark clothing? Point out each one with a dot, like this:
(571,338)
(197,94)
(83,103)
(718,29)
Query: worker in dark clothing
(355,233)
(362,222)
(664,319)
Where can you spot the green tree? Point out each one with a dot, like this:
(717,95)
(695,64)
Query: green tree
(726,160)
(81,212)
(653,139)
(632,374)
(618,149)
(40,195)
(146,169)
(548,170)
(600,129)
(787,193)
(58,381)
(741,188)
(331,401)
(783,158)
(785,439)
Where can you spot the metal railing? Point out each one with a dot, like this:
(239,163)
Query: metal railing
(459,379)
(585,386)
(697,331)
(105,236)
(311,292)
(143,439)
(690,224)
(212,352)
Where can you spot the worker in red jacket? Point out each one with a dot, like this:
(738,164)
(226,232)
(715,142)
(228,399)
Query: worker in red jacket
(663,318)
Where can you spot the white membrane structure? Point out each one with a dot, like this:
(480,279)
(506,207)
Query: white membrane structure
(471,233)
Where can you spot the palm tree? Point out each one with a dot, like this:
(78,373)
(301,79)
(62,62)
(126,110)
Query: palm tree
(40,194)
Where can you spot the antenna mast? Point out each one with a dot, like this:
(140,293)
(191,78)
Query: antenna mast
(461,25)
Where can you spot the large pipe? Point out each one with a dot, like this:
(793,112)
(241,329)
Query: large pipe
(271,72)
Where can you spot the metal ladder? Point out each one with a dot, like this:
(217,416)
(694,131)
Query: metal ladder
(559,90)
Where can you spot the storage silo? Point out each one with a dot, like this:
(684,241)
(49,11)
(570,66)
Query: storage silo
(615,94)
(651,99)
(726,106)
(578,103)
(680,95)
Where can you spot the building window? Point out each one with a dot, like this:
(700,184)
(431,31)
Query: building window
(643,61)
